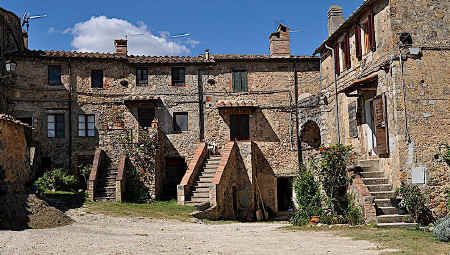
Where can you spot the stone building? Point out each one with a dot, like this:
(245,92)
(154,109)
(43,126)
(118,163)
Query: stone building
(236,114)
(385,72)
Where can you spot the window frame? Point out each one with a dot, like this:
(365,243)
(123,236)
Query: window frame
(178,82)
(242,81)
(141,80)
(59,126)
(240,119)
(56,82)
(86,128)
(177,128)
(92,79)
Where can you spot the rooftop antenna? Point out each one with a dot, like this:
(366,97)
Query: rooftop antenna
(27,18)
(283,22)
(180,35)
(126,35)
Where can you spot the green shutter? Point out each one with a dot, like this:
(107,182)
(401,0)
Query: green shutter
(244,81)
(234,81)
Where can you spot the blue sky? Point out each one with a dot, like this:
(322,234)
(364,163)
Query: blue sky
(225,27)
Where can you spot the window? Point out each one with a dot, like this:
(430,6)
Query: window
(54,75)
(97,79)
(240,81)
(86,125)
(180,121)
(365,42)
(239,127)
(141,76)
(178,76)
(55,124)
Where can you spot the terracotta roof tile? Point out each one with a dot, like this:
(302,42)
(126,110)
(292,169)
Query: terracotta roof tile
(11,119)
(255,57)
(231,103)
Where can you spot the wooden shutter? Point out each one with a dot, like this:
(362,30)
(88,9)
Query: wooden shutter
(336,59)
(358,41)
(352,120)
(380,121)
(373,46)
(244,81)
(348,60)
(237,81)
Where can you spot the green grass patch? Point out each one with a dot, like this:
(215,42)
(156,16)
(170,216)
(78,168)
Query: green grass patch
(406,241)
(156,210)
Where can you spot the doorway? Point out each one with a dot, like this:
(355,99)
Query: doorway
(284,193)
(175,170)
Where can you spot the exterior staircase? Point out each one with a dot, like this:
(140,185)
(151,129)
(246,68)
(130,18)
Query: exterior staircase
(200,188)
(380,188)
(105,189)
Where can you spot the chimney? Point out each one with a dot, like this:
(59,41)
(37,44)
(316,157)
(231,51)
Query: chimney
(207,54)
(280,43)
(25,39)
(121,47)
(335,18)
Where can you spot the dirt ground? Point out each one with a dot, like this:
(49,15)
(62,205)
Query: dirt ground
(100,234)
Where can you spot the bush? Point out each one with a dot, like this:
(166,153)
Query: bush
(353,212)
(331,167)
(442,229)
(55,180)
(307,196)
(414,201)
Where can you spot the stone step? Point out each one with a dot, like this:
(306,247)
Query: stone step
(200,199)
(383,202)
(375,181)
(387,210)
(374,174)
(201,189)
(397,225)
(201,184)
(105,199)
(201,192)
(208,166)
(200,195)
(370,163)
(380,187)
(103,188)
(210,171)
(191,203)
(383,194)
(208,174)
(213,162)
(216,158)
(394,218)
(206,178)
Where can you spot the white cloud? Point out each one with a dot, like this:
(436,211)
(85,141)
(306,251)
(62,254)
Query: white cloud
(98,34)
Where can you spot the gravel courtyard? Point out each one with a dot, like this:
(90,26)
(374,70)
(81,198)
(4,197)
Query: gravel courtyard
(100,234)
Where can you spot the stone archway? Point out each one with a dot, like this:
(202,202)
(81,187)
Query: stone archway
(310,135)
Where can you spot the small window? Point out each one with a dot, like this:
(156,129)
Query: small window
(180,121)
(97,79)
(55,124)
(240,127)
(178,76)
(240,81)
(141,76)
(54,75)
(86,125)
(145,117)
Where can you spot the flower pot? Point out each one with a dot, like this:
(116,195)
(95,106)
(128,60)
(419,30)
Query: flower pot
(314,220)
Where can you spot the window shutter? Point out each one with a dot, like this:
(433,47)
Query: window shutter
(336,59)
(352,120)
(358,41)
(373,46)
(234,80)
(348,60)
(244,81)
(380,121)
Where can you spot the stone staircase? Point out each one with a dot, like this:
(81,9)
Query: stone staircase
(105,187)
(200,188)
(380,188)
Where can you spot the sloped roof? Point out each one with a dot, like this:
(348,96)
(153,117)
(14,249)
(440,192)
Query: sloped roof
(11,119)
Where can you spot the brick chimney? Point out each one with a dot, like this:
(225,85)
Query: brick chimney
(335,18)
(280,43)
(121,47)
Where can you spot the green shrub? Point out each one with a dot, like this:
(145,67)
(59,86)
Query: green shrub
(414,201)
(353,212)
(56,180)
(307,196)
(442,229)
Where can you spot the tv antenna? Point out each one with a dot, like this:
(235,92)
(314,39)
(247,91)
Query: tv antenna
(27,18)
(283,22)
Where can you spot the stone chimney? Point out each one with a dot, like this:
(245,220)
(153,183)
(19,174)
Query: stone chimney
(280,43)
(25,39)
(121,47)
(335,18)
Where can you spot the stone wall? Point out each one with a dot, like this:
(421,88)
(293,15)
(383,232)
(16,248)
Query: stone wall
(14,155)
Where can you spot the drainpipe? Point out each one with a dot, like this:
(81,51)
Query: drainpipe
(70,116)
(200,106)
(299,142)
(336,97)
(407,136)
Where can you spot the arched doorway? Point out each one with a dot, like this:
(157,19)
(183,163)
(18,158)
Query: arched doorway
(310,135)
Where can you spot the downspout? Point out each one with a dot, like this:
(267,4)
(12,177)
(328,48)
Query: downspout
(70,116)
(407,136)
(200,106)
(299,142)
(336,96)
